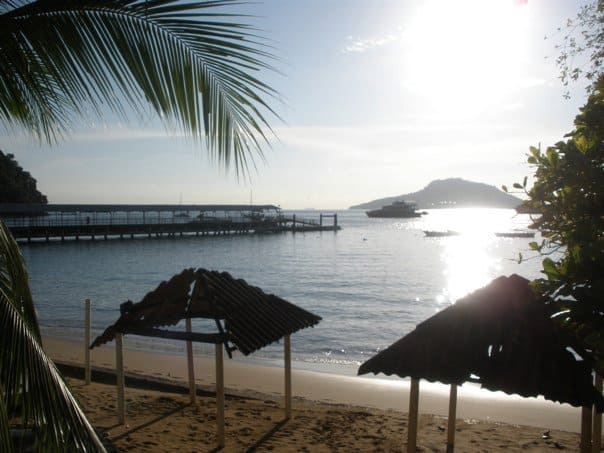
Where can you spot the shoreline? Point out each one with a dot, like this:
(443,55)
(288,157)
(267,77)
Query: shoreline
(262,381)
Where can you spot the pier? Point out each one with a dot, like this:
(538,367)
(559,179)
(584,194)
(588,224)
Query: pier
(29,222)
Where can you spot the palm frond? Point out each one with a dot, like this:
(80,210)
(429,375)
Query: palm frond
(192,63)
(31,387)
(14,284)
(5,441)
(34,390)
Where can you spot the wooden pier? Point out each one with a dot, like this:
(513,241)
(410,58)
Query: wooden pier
(294,223)
(30,223)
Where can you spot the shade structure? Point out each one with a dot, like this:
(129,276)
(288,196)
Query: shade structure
(247,318)
(500,336)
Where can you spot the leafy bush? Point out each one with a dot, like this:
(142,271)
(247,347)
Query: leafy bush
(569,194)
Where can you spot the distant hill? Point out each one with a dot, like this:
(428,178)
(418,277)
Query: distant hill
(452,192)
(17,185)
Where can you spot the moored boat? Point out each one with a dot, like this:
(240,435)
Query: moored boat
(440,234)
(397,210)
(516,234)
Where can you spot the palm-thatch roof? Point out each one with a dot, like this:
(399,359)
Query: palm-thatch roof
(500,336)
(245,316)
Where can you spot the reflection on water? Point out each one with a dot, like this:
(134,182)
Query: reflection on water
(470,259)
(468,265)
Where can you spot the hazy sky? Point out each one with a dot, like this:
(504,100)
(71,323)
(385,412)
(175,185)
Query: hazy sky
(380,98)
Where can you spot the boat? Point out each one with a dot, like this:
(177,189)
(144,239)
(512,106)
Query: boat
(516,234)
(440,234)
(397,210)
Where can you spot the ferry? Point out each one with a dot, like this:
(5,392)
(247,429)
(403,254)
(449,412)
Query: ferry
(397,210)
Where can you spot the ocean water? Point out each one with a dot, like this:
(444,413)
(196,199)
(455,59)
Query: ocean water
(371,282)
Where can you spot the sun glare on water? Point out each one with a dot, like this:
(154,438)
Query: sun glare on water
(469,261)
(465,55)
(468,265)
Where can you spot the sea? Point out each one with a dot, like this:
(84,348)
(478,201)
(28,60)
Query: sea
(372,282)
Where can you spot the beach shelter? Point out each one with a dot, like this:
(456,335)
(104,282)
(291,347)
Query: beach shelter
(500,336)
(246,320)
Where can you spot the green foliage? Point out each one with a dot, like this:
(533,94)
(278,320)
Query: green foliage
(17,185)
(569,193)
(5,441)
(31,388)
(583,40)
(14,286)
(191,63)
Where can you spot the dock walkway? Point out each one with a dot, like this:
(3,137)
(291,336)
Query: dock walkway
(30,223)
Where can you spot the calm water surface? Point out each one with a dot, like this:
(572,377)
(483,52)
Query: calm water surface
(372,282)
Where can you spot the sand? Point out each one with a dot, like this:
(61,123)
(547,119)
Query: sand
(330,413)
(163,421)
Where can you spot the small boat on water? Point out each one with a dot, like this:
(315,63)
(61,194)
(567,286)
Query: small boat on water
(516,234)
(440,234)
(397,210)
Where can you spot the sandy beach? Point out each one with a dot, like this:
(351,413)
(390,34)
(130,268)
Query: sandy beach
(165,421)
(331,412)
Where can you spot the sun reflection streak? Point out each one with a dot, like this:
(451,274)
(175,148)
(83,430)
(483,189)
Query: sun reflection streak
(468,265)
(468,259)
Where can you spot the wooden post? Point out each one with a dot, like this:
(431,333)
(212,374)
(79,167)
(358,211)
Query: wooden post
(321,220)
(219,396)
(288,376)
(87,342)
(119,364)
(413,414)
(596,444)
(190,365)
(294,223)
(585,446)
(451,420)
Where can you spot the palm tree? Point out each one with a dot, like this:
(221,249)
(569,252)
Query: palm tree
(191,64)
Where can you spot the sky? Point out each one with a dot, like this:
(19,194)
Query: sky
(377,99)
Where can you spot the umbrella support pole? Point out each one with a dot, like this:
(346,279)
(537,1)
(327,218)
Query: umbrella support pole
(596,444)
(219,396)
(87,342)
(451,419)
(585,446)
(413,415)
(190,365)
(288,376)
(119,364)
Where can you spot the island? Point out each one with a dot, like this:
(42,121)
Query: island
(451,193)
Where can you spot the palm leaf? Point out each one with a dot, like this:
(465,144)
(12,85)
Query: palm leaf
(35,391)
(14,286)
(5,441)
(191,63)
(30,384)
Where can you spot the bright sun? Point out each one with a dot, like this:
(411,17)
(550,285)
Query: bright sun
(465,55)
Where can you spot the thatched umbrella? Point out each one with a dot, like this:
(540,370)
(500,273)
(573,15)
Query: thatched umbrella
(246,318)
(502,337)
